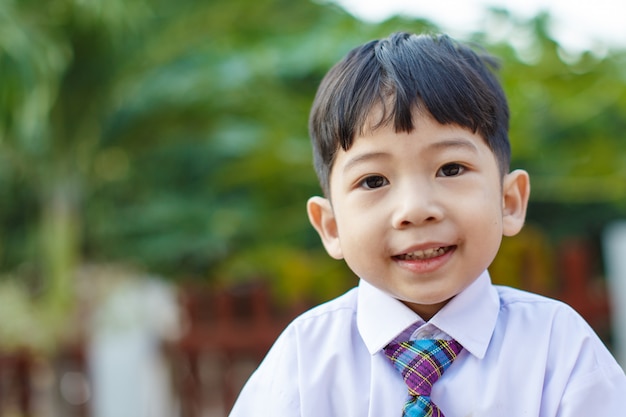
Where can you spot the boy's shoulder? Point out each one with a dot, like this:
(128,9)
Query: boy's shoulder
(535,309)
(344,305)
(332,322)
(511,297)
(555,333)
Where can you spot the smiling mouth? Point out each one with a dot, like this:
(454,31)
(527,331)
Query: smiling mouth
(424,254)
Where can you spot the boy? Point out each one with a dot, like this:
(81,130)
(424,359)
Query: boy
(410,139)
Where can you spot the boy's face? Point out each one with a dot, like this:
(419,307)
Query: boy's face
(419,215)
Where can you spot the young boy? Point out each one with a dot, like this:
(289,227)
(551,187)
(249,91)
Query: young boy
(410,140)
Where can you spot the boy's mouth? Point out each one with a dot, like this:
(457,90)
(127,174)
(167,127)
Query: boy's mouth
(424,254)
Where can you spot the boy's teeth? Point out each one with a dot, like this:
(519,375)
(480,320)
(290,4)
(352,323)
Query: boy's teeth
(424,254)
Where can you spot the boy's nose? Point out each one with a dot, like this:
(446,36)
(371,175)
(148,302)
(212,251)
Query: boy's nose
(415,207)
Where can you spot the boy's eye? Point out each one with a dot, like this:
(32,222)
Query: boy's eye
(450,170)
(374,181)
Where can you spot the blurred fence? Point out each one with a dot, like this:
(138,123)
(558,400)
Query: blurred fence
(228,334)
(32,385)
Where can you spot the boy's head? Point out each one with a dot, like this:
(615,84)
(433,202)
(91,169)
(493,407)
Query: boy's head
(403,74)
(410,142)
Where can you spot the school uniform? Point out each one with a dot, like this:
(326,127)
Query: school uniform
(523,355)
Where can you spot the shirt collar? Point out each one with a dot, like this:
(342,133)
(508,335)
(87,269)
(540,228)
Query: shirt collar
(470,317)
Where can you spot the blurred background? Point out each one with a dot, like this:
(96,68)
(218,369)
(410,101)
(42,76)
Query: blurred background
(155,163)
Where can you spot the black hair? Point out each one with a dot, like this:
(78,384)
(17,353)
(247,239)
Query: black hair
(405,73)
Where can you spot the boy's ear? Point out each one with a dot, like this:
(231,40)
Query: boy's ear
(322,218)
(515,194)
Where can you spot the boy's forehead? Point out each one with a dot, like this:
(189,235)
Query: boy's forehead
(381,115)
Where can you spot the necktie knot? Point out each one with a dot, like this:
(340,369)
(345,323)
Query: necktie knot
(421,363)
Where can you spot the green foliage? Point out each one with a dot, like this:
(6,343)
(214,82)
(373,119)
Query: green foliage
(567,128)
(173,135)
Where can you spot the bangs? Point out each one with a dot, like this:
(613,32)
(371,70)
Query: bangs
(404,80)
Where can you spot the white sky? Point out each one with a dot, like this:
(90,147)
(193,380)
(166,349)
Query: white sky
(579,24)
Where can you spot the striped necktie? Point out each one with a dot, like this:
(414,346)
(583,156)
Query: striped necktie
(421,363)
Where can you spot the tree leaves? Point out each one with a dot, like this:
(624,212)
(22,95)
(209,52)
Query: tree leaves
(181,128)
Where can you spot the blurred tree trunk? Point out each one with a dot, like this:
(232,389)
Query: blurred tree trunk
(60,239)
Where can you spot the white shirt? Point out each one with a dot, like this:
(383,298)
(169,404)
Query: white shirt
(524,355)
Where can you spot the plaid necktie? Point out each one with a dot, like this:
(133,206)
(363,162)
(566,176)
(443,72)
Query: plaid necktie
(421,363)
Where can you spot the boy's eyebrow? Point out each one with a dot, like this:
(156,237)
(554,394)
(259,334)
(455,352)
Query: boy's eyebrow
(455,143)
(364,157)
